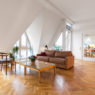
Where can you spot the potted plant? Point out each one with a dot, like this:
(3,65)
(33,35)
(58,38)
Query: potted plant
(11,56)
(32,58)
(15,49)
(13,53)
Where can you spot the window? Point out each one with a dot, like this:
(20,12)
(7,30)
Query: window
(25,49)
(58,44)
(68,36)
(68,40)
(23,53)
(23,40)
(64,40)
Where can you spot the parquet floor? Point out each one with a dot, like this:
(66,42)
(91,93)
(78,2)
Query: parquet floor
(79,80)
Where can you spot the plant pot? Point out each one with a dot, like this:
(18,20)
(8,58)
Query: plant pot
(33,62)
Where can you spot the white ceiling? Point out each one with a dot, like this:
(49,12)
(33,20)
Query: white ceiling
(76,10)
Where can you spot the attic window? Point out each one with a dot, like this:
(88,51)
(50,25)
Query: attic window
(58,44)
(25,49)
(68,26)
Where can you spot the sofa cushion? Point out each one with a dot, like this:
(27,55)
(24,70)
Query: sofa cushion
(57,60)
(43,54)
(43,58)
(63,54)
(50,53)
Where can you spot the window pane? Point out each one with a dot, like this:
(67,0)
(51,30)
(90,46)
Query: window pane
(23,40)
(28,53)
(28,45)
(58,44)
(17,55)
(23,53)
(24,47)
(68,40)
(59,41)
(17,44)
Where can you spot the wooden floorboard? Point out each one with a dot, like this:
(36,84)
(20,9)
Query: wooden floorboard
(79,80)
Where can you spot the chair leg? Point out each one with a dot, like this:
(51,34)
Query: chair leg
(6,68)
(11,66)
(1,67)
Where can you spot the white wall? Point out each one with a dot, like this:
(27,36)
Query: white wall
(91,38)
(34,32)
(51,25)
(77,44)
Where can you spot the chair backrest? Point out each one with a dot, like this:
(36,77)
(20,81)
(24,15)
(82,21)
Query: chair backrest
(2,55)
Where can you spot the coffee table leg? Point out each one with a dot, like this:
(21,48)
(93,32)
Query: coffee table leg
(54,71)
(24,70)
(11,66)
(6,68)
(39,76)
(15,67)
(1,66)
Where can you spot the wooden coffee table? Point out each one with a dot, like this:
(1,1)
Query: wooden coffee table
(39,66)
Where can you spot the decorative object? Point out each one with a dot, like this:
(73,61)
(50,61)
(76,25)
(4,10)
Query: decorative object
(15,49)
(46,47)
(13,52)
(32,59)
(11,56)
(43,54)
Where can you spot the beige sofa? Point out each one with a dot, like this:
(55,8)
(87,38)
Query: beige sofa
(62,59)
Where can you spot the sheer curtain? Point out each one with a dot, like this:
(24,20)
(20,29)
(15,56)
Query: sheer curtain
(68,37)
(68,40)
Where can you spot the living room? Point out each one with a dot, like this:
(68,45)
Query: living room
(47,47)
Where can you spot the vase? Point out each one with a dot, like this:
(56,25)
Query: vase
(33,62)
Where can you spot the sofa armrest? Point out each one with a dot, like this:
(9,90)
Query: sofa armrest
(69,62)
(38,54)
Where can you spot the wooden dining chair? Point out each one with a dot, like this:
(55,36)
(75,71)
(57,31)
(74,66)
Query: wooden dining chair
(4,60)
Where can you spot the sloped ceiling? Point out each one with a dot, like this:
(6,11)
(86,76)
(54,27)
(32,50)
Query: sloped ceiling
(76,10)
(15,17)
(80,12)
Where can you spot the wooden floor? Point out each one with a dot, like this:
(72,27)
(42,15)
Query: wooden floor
(79,80)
